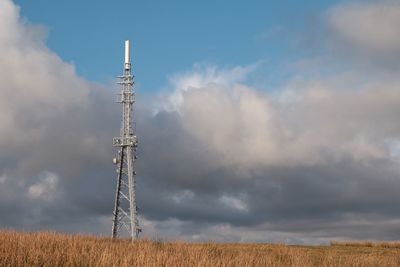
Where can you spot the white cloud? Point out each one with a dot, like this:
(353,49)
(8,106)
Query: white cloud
(50,118)
(316,124)
(201,77)
(228,140)
(183,196)
(234,202)
(44,103)
(45,188)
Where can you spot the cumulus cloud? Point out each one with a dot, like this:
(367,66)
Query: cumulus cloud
(322,124)
(40,93)
(218,159)
(250,165)
(49,128)
(202,76)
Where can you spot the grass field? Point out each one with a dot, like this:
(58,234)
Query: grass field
(52,249)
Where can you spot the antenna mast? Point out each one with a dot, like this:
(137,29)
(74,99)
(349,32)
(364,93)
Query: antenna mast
(125,209)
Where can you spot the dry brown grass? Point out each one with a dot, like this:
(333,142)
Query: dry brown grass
(52,249)
(367,244)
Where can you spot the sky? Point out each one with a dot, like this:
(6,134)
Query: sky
(170,36)
(275,121)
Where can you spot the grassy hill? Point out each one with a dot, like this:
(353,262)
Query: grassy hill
(53,249)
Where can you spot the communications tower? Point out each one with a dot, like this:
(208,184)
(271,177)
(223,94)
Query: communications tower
(125,210)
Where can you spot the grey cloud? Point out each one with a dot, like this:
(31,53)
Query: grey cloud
(51,123)
(372,26)
(220,160)
(367,30)
(304,166)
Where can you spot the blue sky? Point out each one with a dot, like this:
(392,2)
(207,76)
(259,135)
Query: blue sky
(170,36)
(300,149)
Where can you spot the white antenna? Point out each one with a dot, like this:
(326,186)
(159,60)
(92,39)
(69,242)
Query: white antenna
(125,209)
(127,50)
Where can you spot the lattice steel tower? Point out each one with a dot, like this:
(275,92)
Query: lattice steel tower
(125,209)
